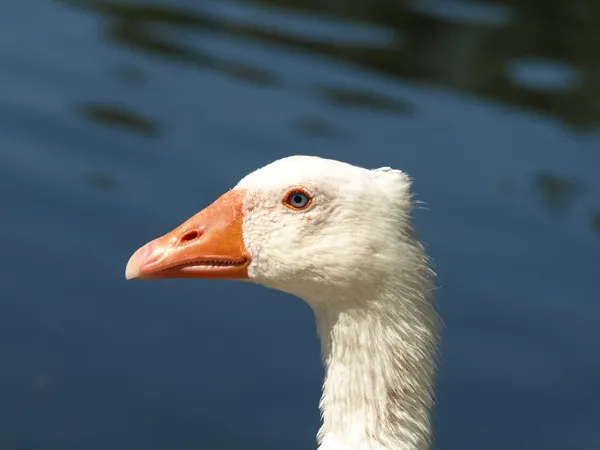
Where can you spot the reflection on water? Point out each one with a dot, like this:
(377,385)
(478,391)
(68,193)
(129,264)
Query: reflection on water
(362,99)
(543,75)
(559,193)
(119,119)
(596,220)
(119,116)
(102,181)
(317,127)
(470,46)
(483,48)
(130,74)
(466,12)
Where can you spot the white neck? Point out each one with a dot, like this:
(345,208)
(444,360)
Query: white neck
(380,357)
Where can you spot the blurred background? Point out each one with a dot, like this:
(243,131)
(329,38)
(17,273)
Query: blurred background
(120,119)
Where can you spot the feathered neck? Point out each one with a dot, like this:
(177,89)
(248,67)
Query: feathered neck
(379,351)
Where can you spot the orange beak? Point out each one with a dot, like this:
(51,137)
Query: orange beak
(209,245)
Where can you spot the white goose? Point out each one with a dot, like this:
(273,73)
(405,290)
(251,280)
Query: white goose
(339,237)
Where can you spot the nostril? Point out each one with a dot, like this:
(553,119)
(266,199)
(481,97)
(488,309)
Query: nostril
(190,236)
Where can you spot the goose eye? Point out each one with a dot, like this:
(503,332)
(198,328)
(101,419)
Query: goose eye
(297,199)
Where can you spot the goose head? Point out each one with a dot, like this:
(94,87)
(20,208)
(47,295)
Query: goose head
(339,237)
(303,225)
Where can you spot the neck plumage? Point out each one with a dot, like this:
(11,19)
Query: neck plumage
(380,357)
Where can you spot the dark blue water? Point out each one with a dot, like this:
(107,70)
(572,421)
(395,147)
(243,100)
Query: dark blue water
(120,119)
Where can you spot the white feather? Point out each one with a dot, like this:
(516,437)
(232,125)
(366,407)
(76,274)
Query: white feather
(352,256)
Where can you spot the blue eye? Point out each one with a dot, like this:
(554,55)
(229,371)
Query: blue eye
(297,199)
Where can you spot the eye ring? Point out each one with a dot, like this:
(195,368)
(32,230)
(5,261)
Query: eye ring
(297,199)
